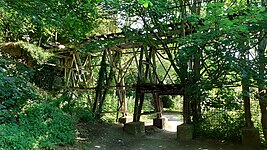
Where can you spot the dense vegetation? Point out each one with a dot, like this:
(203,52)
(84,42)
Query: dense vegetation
(218,54)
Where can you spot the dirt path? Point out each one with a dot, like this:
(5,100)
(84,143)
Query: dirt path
(102,136)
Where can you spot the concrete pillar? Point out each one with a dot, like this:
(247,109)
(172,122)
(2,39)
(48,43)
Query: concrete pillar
(251,138)
(160,122)
(185,132)
(125,119)
(135,128)
(122,120)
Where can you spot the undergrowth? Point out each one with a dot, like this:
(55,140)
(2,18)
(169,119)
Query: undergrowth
(39,126)
(27,119)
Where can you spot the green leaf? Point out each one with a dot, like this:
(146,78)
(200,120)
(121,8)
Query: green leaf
(146,4)
(150,4)
(2,106)
(141,2)
(99,1)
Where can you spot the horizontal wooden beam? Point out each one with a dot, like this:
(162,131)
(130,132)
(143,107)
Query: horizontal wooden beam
(149,113)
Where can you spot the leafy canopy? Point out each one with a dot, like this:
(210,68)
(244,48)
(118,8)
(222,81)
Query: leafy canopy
(67,20)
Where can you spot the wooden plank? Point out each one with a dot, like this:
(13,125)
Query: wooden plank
(149,113)
(69,73)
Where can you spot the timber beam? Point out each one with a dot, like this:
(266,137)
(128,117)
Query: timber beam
(161,89)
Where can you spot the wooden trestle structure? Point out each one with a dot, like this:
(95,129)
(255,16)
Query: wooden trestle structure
(106,67)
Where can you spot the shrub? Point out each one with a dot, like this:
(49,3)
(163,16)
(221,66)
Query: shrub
(15,89)
(83,115)
(49,122)
(223,116)
(221,124)
(25,123)
(40,126)
(14,137)
(167,102)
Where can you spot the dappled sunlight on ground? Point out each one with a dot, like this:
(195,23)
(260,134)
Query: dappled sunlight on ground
(106,136)
(173,120)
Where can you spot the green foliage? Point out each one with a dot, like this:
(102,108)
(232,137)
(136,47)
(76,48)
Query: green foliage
(40,126)
(11,68)
(222,33)
(55,126)
(145,3)
(65,20)
(15,89)
(223,116)
(83,115)
(78,107)
(25,122)
(39,55)
(13,25)
(30,54)
(221,124)
(46,78)
(14,137)
(167,101)
(110,103)
(225,98)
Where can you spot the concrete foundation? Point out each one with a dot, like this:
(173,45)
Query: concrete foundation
(251,138)
(184,132)
(135,128)
(160,122)
(124,120)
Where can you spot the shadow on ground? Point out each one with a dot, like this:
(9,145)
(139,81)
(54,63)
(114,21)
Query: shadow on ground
(102,136)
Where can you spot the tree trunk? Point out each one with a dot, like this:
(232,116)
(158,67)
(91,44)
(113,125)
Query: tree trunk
(262,99)
(263,107)
(196,108)
(246,100)
(186,105)
(116,58)
(245,85)
(100,83)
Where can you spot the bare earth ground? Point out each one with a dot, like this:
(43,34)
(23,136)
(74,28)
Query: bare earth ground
(103,136)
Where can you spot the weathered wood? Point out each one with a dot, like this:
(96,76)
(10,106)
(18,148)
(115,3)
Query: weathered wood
(141,102)
(79,74)
(100,83)
(158,105)
(150,112)
(115,60)
(161,89)
(136,104)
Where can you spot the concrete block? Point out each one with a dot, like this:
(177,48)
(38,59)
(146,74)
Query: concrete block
(251,138)
(125,119)
(122,120)
(185,132)
(160,122)
(135,128)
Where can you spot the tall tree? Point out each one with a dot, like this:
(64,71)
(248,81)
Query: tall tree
(261,83)
(42,20)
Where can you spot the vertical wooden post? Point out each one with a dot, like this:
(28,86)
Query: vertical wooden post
(138,93)
(154,66)
(124,100)
(136,104)
(65,60)
(141,102)
(157,106)
(100,83)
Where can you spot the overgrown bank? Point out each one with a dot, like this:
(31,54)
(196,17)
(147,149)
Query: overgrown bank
(27,119)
